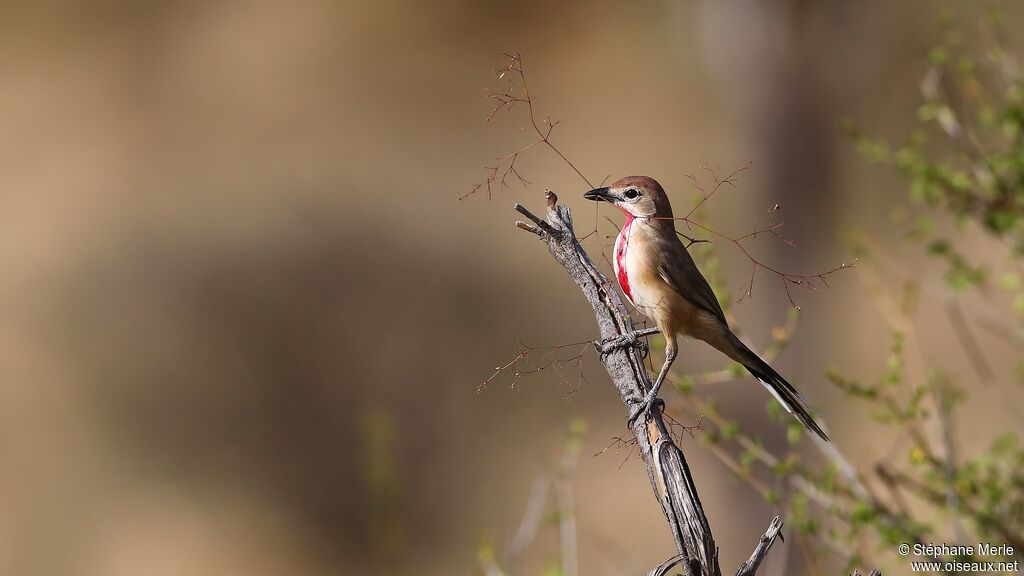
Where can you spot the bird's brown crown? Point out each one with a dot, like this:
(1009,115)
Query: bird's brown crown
(655,195)
(645,182)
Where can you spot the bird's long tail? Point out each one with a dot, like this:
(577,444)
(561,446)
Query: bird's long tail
(783,391)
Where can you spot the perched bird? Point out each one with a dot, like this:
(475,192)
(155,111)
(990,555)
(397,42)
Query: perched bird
(659,278)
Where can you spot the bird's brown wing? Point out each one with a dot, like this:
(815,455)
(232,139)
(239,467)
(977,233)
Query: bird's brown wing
(679,271)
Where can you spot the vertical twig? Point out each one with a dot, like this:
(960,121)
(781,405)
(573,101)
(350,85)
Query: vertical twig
(532,516)
(567,508)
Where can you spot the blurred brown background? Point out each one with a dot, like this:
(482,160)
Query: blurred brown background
(244,313)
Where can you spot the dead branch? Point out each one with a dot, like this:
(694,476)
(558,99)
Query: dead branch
(749,567)
(667,470)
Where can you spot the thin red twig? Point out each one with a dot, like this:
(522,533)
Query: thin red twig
(771,229)
(516,91)
(523,364)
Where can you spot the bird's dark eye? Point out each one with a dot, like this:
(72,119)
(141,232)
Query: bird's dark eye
(631,193)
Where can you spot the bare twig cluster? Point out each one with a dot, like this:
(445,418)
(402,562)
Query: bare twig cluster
(531,360)
(515,92)
(771,229)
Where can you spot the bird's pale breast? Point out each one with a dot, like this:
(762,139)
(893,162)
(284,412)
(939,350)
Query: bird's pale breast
(636,266)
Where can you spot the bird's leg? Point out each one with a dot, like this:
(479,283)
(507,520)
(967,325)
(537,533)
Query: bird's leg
(643,405)
(609,345)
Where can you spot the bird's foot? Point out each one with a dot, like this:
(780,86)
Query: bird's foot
(609,345)
(643,405)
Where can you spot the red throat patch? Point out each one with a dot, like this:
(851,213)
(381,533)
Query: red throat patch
(621,245)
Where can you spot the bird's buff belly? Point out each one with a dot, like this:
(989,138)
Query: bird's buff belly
(653,297)
(658,301)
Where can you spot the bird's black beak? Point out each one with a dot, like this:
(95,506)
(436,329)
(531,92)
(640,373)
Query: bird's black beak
(600,194)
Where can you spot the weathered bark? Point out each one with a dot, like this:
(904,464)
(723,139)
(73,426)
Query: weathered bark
(666,466)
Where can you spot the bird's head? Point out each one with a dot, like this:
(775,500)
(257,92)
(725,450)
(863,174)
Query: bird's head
(637,196)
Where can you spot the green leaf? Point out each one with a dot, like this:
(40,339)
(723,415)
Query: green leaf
(965,65)
(1018,305)
(795,433)
(939,248)
(1010,281)
(684,385)
(736,369)
(938,56)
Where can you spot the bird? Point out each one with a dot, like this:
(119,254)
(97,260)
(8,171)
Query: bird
(659,278)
